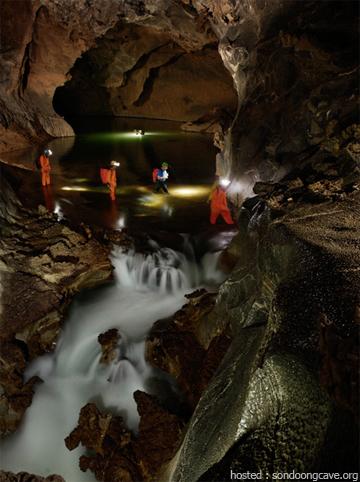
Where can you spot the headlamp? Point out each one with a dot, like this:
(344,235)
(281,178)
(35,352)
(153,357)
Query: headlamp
(224,182)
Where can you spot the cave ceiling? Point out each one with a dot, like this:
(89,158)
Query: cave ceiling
(140,71)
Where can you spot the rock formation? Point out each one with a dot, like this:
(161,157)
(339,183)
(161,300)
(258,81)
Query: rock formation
(43,264)
(118,454)
(286,394)
(187,347)
(25,477)
(141,72)
(109,342)
(38,55)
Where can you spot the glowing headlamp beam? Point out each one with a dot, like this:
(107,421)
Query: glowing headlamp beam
(224,182)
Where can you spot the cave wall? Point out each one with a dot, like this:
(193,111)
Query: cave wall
(141,72)
(299,90)
(41,46)
(285,396)
(293,66)
(39,43)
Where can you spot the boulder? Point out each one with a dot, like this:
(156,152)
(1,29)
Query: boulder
(109,342)
(118,455)
(188,346)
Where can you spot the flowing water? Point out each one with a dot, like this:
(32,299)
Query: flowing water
(146,288)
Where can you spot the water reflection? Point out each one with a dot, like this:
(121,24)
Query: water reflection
(48,198)
(80,195)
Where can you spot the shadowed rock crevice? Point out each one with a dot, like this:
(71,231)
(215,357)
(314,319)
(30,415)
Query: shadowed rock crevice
(148,86)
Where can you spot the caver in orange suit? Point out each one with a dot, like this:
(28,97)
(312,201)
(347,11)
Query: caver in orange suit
(112,183)
(45,170)
(218,206)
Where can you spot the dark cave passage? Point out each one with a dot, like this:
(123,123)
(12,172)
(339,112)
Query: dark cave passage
(137,71)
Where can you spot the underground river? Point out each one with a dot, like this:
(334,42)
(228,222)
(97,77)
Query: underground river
(146,287)
(77,193)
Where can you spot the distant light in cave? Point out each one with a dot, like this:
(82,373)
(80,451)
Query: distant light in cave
(115,137)
(139,132)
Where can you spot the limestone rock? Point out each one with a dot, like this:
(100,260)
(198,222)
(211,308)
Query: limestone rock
(91,429)
(186,347)
(137,76)
(109,345)
(289,379)
(160,433)
(43,264)
(38,56)
(119,455)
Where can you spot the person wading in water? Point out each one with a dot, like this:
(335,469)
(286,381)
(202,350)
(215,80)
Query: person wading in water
(108,176)
(218,204)
(160,176)
(45,167)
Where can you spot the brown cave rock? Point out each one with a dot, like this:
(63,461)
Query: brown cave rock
(118,454)
(188,347)
(43,264)
(136,55)
(109,343)
(25,477)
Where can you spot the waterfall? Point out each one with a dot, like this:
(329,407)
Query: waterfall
(147,287)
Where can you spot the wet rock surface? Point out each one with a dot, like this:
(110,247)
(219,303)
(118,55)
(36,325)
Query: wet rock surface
(43,263)
(120,455)
(188,347)
(285,396)
(109,342)
(301,99)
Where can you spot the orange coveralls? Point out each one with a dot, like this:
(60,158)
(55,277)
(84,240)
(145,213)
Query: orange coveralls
(218,206)
(45,170)
(112,184)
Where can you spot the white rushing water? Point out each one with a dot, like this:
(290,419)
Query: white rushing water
(147,288)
